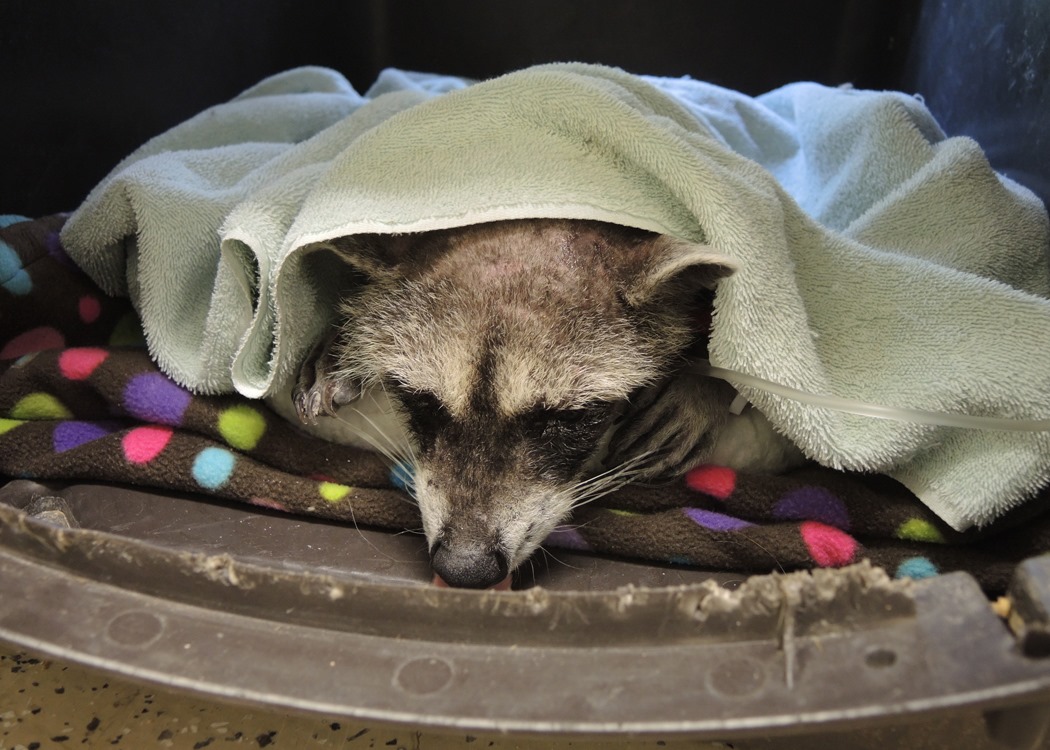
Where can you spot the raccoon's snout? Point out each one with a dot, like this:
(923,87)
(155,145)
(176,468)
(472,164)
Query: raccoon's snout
(469,566)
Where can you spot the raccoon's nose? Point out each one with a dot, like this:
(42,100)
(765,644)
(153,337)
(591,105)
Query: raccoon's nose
(469,567)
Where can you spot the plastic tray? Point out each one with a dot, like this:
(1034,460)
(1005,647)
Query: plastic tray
(235,603)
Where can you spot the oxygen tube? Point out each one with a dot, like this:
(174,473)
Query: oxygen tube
(864,409)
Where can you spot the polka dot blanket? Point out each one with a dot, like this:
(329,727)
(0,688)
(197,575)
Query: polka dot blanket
(80,399)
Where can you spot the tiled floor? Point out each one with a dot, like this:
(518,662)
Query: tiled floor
(45,705)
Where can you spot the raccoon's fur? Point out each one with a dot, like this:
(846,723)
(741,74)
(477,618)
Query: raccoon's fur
(522,368)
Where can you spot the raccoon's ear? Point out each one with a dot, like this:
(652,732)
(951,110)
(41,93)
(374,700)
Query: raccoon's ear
(665,261)
(373,256)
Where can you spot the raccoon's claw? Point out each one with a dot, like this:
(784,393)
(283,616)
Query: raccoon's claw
(307,405)
(322,399)
(316,392)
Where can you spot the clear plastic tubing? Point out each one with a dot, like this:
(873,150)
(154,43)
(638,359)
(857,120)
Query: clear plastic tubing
(864,409)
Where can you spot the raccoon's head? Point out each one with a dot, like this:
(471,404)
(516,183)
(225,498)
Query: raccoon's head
(511,348)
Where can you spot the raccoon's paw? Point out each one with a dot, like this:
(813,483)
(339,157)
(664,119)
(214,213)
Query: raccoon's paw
(671,427)
(322,399)
(317,392)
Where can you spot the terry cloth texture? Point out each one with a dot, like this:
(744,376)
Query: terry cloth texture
(80,399)
(878,260)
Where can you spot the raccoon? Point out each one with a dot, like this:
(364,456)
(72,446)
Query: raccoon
(522,368)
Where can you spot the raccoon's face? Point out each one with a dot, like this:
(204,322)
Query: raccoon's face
(510,350)
(491,487)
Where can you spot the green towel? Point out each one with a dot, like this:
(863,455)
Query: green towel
(878,260)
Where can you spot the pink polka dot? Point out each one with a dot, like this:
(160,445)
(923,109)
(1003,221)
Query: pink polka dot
(34,340)
(80,362)
(143,444)
(716,481)
(265,502)
(828,546)
(89,308)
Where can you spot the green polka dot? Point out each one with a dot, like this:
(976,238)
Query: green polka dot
(127,332)
(333,492)
(242,426)
(40,406)
(918,530)
(617,512)
(6,425)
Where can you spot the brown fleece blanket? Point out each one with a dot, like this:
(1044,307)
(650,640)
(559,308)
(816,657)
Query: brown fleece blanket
(80,399)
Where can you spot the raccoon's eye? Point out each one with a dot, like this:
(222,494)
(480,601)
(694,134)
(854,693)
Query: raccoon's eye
(426,414)
(568,417)
(422,401)
(561,423)
(543,422)
(565,438)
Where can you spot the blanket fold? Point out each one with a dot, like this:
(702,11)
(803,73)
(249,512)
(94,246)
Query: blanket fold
(879,260)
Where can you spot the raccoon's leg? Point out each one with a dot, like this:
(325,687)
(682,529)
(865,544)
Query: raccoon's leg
(676,422)
(317,391)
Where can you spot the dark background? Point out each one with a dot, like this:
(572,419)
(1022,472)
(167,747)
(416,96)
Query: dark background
(84,84)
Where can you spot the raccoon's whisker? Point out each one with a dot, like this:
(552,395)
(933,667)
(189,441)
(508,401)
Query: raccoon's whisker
(615,478)
(572,526)
(402,450)
(394,460)
(609,481)
(597,493)
(590,498)
(389,447)
(399,450)
(548,555)
(408,445)
(380,448)
(599,482)
(370,543)
(635,462)
(752,541)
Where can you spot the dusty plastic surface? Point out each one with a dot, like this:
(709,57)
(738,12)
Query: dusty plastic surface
(281,611)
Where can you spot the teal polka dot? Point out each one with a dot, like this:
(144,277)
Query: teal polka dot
(212,467)
(13,277)
(401,477)
(916,567)
(7,220)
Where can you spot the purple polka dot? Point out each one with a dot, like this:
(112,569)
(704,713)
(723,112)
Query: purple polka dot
(715,521)
(153,398)
(69,435)
(812,504)
(53,243)
(567,537)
